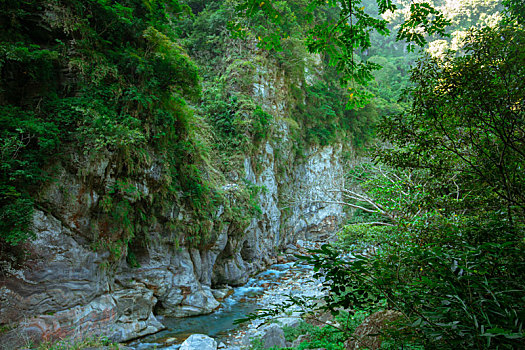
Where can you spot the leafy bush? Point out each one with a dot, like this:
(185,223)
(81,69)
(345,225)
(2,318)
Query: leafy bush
(88,343)
(453,290)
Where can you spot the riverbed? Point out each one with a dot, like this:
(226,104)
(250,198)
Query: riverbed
(267,288)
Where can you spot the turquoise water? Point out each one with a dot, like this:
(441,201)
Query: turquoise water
(220,323)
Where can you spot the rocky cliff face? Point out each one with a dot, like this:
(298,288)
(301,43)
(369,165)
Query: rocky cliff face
(158,185)
(68,287)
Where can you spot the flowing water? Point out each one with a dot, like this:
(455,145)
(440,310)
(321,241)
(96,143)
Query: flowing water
(220,324)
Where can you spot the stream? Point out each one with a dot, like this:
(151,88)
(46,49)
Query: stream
(269,286)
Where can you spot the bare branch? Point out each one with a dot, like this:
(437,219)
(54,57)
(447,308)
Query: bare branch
(373,223)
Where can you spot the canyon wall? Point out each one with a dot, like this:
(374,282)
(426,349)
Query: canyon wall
(69,287)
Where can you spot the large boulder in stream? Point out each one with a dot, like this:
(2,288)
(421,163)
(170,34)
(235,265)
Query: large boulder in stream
(199,342)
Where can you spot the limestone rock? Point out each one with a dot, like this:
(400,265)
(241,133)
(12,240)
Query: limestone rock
(289,321)
(222,293)
(233,271)
(121,316)
(273,337)
(199,342)
(69,286)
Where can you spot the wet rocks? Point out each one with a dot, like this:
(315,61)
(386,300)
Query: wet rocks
(299,284)
(69,286)
(222,293)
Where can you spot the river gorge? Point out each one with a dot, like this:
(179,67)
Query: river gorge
(126,233)
(267,289)
(67,289)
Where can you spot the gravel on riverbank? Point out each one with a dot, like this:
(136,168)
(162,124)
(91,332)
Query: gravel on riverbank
(297,283)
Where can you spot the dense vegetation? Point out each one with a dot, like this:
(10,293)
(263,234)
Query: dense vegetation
(85,82)
(159,85)
(99,79)
(438,231)
(448,251)
(441,204)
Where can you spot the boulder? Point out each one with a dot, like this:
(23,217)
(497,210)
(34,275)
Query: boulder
(300,339)
(199,342)
(319,318)
(291,248)
(273,337)
(289,321)
(222,293)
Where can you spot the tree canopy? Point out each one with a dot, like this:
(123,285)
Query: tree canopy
(347,32)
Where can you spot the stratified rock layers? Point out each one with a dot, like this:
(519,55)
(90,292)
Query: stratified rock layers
(68,288)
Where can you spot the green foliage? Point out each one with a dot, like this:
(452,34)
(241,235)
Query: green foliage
(230,77)
(261,125)
(131,259)
(88,343)
(15,218)
(453,291)
(112,79)
(171,64)
(422,16)
(93,78)
(321,114)
(515,10)
(323,118)
(225,115)
(345,30)
(204,34)
(360,235)
(326,336)
(27,142)
(242,206)
(452,130)
(452,262)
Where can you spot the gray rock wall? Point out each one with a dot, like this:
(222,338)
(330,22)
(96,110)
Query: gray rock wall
(68,288)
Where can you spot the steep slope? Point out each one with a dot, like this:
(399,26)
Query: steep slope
(135,193)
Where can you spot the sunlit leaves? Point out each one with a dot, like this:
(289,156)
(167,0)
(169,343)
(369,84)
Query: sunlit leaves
(339,39)
(385,5)
(424,19)
(467,117)
(515,10)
